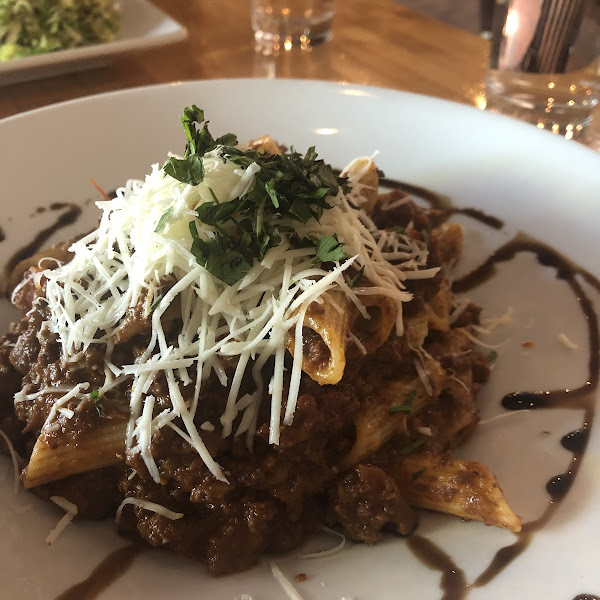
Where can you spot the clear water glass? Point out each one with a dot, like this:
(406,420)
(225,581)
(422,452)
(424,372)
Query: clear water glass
(281,25)
(545,62)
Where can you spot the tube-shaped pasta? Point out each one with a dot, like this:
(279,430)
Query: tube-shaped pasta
(381,416)
(438,309)
(446,242)
(53,254)
(265,145)
(368,181)
(324,338)
(100,447)
(373,332)
(458,487)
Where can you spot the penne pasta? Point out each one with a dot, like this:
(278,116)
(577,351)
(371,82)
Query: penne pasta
(102,446)
(324,334)
(384,415)
(458,487)
(373,332)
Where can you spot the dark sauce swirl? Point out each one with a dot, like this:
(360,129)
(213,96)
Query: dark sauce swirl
(108,571)
(453,580)
(582,397)
(70,215)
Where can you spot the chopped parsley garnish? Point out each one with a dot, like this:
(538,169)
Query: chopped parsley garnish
(329,249)
(156,302)
(406,407)
(163,220)
(415,445)
(95,396)
(288,184)
(359,277)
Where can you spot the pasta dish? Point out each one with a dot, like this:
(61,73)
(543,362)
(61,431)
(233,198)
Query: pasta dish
(249,347)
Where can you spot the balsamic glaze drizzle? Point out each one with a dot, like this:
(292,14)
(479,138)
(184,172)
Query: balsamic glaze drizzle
(68,217)
(443,203)
(453,581)
(106,573)
(582,397)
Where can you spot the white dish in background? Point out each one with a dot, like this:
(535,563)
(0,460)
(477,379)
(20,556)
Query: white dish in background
(143,26)
(531,180)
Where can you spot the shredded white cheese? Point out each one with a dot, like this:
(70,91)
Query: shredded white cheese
(565,341)
(127,261)
(479,342)
(71,512)
(146,504)
(288,588)
(337,548)
(489,324)
(501,416)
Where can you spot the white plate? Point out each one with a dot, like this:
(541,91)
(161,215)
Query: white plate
(143,26)
(530,179)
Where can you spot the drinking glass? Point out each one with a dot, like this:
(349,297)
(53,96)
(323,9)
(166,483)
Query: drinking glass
(286,24)
(545,62)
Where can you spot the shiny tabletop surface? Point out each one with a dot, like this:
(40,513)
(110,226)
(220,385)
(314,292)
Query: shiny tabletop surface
(378,43)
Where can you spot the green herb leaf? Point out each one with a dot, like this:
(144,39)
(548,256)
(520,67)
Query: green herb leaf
(95,396)
(492,356)
(329,249)
(213,213)
(415,445)
(359,277)
(226,264)
(188,170)
(163,220)
(417,474)
(406,407)
(270,189)
(156,302)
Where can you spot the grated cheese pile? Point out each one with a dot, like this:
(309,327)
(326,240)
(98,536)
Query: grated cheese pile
(139,259)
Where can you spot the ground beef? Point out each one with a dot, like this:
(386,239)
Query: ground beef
(95,493)
(365,501)
(275,495)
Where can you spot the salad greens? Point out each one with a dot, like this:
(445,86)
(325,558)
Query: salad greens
(29,27)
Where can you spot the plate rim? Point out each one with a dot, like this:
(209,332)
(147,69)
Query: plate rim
(520,126)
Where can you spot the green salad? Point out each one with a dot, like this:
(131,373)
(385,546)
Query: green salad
(30,27)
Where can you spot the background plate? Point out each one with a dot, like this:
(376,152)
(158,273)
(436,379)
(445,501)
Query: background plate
(531,180)
(143,26)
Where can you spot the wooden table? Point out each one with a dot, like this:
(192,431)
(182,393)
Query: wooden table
(376,42)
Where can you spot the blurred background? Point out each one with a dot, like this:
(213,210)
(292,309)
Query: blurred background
(471,15)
